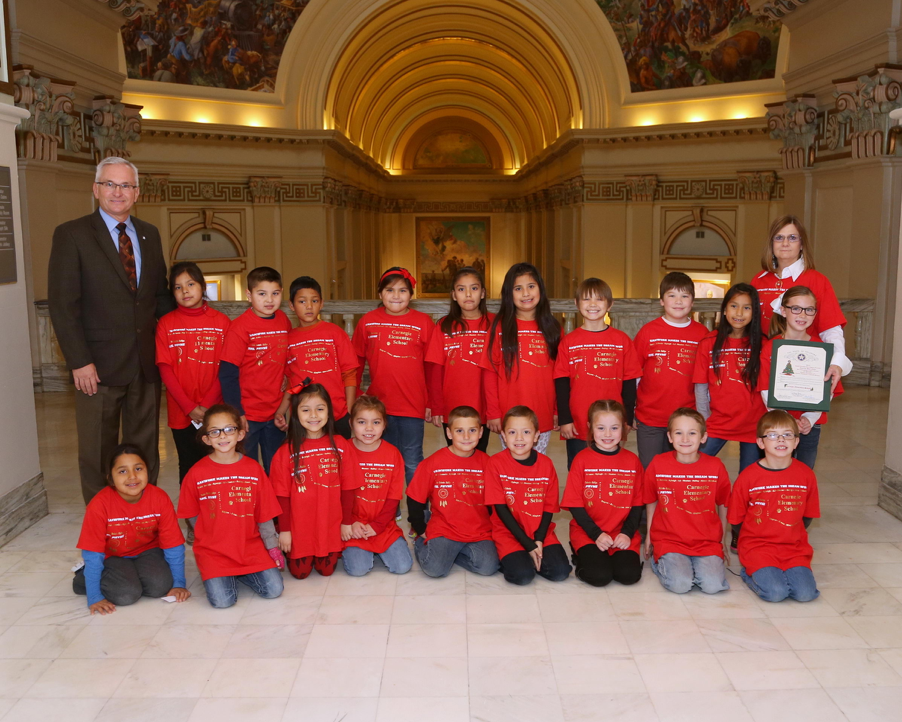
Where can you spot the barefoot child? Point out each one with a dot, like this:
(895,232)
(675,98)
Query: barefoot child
(773,503)
(522,488)
(452,483)
(686,493)
(130,539)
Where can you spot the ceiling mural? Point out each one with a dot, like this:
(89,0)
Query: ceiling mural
(218,43)
(452,149)
(684,43)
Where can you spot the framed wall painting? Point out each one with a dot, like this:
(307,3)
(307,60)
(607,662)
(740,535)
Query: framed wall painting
(445,245)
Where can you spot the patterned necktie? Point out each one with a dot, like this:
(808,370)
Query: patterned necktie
(127,256)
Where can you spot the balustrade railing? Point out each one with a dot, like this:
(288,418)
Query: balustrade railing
(627,314)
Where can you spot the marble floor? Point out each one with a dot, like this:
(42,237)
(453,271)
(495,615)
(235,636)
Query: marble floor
(465,647)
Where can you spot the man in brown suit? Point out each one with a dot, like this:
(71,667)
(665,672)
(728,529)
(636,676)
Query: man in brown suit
(107,287)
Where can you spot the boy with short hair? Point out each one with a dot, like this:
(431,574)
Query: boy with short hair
(687,493)
(452,483)
(593,362)
(667,347)
(320,351)
(252,369)
(773,503)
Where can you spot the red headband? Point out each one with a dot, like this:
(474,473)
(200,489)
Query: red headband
(400,272)
(297,388)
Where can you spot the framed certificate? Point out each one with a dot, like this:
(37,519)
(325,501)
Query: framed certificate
(797,371)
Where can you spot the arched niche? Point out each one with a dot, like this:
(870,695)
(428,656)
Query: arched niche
(700,243)
(479,148)
(209,239)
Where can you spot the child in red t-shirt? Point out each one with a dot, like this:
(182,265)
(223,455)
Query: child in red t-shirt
(393,339)
(315,475)
(604,495)
(667,348)
(130,539)
(522,488)
(794,323)
(772,505)
(726,376)
(593,362)
(374,531)
(232,504)
(520,355)
(452,483)
(320,351)
(252,369)
(687,493)
(454,353)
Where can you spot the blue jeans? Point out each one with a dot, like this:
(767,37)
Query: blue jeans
(440,554)
(406,434)
(222,592)
(806,451)
(748,453)
(772,584)
(265,436)
(574,446)
(396,558)
(679,572)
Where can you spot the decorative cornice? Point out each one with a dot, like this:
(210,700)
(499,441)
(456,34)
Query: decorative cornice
(128,8)
(776,9)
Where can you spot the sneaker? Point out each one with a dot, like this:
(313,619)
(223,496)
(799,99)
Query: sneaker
(189,534)
(412,534)
(398,515)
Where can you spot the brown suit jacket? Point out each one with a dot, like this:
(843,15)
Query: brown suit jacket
(96,316)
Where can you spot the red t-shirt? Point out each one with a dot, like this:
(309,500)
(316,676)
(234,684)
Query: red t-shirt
(381,478)
(324,354)
(395,349)
(190,341)
(769,287)
(229,501)
(454,487)
(528,491)
(597,363)
(667,354)
(532,376)
(116,528)
(315,493)
(767,352)
(686,519)
(770,505)
(257,346)
(735,409)
(460,354)
(607,486)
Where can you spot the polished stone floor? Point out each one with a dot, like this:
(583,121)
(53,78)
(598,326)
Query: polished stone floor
(467,648)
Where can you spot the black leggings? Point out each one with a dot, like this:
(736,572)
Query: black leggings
(599,568)
(125,580)
(483,443)
(189,448)
(519,569)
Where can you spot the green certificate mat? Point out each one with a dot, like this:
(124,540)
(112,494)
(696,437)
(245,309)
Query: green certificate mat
(797,371)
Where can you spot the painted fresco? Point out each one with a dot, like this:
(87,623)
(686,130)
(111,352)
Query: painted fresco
(685,43)
(217,43)
(445,245)
(451,149)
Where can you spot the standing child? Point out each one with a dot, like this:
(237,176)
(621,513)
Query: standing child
(522,488)
(686,493)
(320,351)
(253,363)
(793,322)
(773,503)
(392,339)
(454,353)
(519,359)
(229,498)
(130,540)
(667,347)
(593,362)
(604,494)
(374,531)
(452,483)
(726,376)
(189,344)
(315,476)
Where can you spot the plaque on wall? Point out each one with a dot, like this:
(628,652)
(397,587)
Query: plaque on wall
(7,238)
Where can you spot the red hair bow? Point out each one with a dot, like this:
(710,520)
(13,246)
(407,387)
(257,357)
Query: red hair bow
(297,388)
(400,272)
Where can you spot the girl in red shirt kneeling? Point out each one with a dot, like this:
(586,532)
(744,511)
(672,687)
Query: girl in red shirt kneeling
(315,476)
(374,531)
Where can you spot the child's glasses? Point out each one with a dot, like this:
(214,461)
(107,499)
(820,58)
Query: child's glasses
(227,430)
(774,436)
(796,310)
